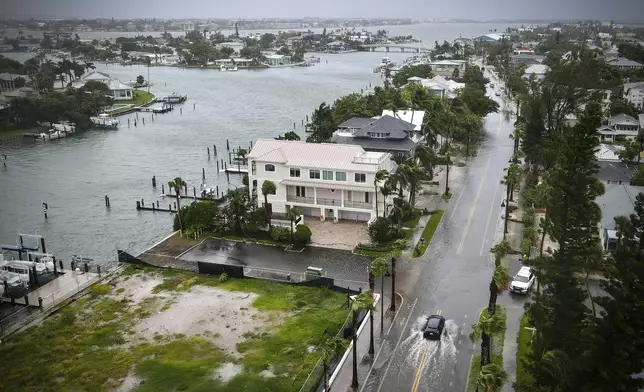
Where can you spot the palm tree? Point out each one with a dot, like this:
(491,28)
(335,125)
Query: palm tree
(411,174)
(268,188)
(492,377)
(397,249)
(177,184)
(487,325)
(363,301)
(380,176)
(499,282)
(426,158)
(330,349)
(379,267)
(512,179)
(387,189)
(293,212)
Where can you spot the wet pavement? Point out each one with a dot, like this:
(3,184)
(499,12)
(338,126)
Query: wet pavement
(346,268)
(451,278)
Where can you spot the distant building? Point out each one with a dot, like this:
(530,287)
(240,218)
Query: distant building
(624,63)
(277,60)
(538,70)
(118,91)
(336,46)
(7,80)
(634,93)
(617,200)
(488,38)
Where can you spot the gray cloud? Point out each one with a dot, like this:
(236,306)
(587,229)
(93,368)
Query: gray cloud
(466,9)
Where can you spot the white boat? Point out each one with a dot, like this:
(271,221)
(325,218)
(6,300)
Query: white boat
(51,134)
(67,127)
(223,68)
(41,268)
(105,121)
(233,69)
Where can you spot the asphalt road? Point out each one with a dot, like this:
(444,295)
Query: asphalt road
(451,279)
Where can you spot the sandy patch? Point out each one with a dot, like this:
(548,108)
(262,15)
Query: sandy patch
(138,287)
(221,316)
(227,371)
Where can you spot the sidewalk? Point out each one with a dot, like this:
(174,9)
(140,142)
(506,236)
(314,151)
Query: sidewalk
(343,377)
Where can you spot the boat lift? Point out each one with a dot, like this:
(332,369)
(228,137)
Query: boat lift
(20,247)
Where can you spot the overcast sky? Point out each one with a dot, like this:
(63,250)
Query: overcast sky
(417,9)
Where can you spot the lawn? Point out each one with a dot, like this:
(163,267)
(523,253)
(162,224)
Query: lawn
(496,354)
(413,222)
(428,233)
(97,342)
(524,349)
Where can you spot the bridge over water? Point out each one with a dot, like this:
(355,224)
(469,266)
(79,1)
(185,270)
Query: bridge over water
(411,47)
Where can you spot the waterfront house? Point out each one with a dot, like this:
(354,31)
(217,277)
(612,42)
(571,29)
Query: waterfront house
(328,181)
(118,91)
(617,200)
(491,38)
(236,46)
(336,46)
(382,134)
(277,60)
(438,85)
(526,59)
(448,64)
(464,42)
(634,93)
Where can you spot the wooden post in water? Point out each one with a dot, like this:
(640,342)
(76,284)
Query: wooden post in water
(217,187)
(180,110)
(143,120)
(162,189)
(138,207)
(293,126)
(307,118)
(185,189)
(157,204)
(217,166)
(227,145)
(208,148)
(142,203)
(137,115)
(203,173)
(154,181)
(194,192)
(107,201)
(194,106)
(214,150)
(302,122)
(128,122)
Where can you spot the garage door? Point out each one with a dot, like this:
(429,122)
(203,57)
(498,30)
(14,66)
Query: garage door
(354,216)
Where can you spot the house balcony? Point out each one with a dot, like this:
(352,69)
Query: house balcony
(329,202)
(300,199)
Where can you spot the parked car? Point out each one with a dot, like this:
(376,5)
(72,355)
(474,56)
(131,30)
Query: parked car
(434,327)
(523,281)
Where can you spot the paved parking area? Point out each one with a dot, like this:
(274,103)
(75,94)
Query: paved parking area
(341,235)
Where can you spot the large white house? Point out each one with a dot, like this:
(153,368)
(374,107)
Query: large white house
(118,91)
(329,181)
(634,93)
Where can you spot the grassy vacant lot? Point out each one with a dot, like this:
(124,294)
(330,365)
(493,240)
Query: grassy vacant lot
(153,330)
(524,349)
(428,232)
(496,354)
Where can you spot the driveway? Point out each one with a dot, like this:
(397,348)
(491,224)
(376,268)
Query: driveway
(341,235)
(346,268)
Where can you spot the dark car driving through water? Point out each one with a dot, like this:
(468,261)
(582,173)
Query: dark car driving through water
(434,327)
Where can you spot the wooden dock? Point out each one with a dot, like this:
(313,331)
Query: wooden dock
(234,170)
(214,199)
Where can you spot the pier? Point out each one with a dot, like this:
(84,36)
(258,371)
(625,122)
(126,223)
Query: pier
(401,47)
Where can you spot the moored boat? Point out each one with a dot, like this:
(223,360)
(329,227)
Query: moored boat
(104,121)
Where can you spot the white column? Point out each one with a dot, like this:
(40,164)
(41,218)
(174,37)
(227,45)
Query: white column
(342,198)
(315,195)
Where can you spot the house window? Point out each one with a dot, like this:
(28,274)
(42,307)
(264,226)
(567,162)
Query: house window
(295,172)
(327,175)
(314,174)
(378,135)
(361,177)
(269,168)
(340,176)
(300,191)
(253,167)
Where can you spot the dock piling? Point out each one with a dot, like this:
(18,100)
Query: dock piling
(227,145)
(194,192)
(128,122)
(208,148)
(154,181)
(98,269)
(73,265)
(175,205)
(142,203)
(107,201)
(157,204)
(251,144)
(86,267)
(162,189)
(307,118)
(137,115)
(217,187)
(143,120)
(185,189)
(180,110)
(60,263)
(217,166)
(170,207)
(203,173)
(293,126)
(138,205)
(214,150)
(194,106)
(42,308)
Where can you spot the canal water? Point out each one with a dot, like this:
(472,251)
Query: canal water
(74,174)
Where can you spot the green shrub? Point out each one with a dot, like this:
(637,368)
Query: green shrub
(280,234)
(197,215)
(223,277)
(382,230)
(302,235)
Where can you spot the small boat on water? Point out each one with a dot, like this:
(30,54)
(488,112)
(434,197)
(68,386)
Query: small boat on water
(51,134)
(312,59)
(173,98)
(104,121)
(224,68)
(164,108)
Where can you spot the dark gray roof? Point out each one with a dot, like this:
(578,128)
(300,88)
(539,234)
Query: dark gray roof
(356,122)
(395,127)
(615,171)
(618,200)
(374,144)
